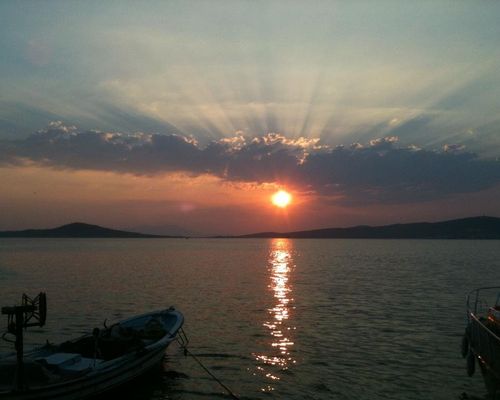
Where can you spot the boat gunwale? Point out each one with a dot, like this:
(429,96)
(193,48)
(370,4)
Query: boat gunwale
(475,317)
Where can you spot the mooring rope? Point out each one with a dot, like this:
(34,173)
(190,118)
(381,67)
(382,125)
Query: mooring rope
(228,390)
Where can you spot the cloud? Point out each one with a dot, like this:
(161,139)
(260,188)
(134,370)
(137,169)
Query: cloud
(380,171)
(453,148)
(383,172)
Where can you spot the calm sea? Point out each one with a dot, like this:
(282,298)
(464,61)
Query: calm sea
(277,319)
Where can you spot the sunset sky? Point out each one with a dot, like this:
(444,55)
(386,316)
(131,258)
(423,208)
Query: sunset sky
(189,115)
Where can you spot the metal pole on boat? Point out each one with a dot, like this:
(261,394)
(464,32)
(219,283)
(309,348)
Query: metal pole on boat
(19,348)
(16,328)
(19,318)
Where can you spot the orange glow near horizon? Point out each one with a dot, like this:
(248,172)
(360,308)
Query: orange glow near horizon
(281,199)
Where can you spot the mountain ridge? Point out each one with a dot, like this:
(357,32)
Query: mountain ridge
(78,230)
(482,227)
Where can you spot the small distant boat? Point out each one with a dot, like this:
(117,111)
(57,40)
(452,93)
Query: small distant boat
(481,341)
(89,365)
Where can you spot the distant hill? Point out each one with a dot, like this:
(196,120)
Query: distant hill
(76,230)
(466,228)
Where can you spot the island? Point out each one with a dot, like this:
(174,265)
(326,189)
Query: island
(78,230)
(466,228)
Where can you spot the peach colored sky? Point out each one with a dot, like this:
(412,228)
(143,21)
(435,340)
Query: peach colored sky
(41,197)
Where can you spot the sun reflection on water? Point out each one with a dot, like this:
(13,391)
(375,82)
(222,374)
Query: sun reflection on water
(280,328)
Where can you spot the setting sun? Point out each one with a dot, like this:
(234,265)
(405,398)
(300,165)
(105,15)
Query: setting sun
(281,199)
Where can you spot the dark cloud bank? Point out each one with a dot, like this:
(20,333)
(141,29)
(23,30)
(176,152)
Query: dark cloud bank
(379,171)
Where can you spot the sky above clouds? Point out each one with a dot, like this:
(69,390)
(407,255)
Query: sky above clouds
(193,113)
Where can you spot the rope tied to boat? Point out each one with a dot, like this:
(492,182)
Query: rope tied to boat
(183,342)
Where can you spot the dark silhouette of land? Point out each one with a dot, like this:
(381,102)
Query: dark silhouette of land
(466,228)
(77,230)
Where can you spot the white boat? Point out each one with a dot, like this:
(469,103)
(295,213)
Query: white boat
(93,363)
(481,341)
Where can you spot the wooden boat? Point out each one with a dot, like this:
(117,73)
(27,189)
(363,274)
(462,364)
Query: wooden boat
(91,364)
(481,341)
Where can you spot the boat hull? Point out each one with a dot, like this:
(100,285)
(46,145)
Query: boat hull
(92,386)
(107,376)
(481,343)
